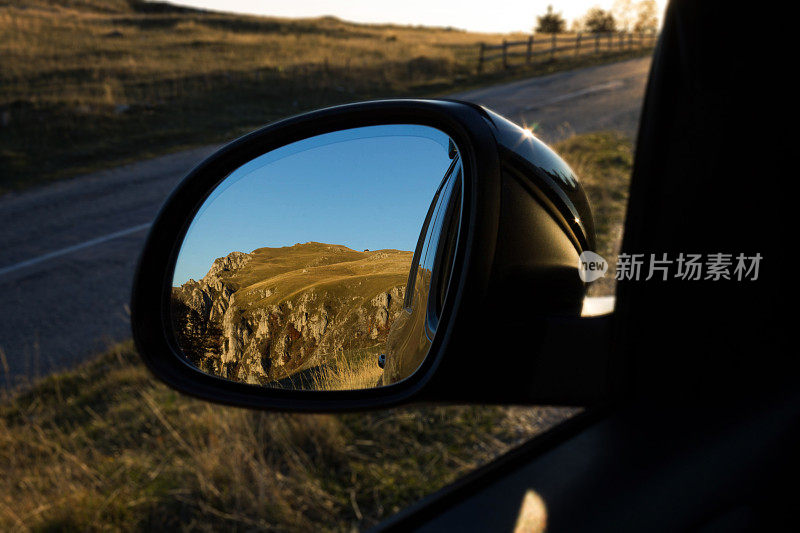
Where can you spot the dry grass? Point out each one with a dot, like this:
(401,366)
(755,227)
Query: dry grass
(106,447)
(349,371)
(86,84)
(83,87)
(112,59)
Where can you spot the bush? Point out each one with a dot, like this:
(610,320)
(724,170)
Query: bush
(550,22)
(599,21)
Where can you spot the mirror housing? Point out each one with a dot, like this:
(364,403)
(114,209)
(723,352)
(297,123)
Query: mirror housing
(509,330)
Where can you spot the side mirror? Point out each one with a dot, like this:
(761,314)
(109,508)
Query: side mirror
(289,271)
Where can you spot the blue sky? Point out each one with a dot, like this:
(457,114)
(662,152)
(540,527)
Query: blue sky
(363,188)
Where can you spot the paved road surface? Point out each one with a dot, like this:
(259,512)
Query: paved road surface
(68,250)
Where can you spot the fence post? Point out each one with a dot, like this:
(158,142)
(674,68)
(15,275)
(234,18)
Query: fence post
(596,43)
(610,41)
(529,51)
(552,46)
(505,54)
(578,44)
(480,58)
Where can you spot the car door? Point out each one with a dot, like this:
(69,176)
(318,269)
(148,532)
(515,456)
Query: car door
(703,433)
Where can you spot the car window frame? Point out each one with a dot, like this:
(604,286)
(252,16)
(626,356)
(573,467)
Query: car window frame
(422,241)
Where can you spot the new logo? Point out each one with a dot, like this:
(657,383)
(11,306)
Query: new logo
(591,266)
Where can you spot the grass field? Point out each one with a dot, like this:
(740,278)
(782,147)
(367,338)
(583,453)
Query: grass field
(343,370)
(106,447)
(87,84)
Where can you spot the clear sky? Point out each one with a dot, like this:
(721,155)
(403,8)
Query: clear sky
(363,188)
(474,15)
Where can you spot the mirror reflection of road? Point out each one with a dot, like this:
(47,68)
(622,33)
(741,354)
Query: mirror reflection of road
(68,250)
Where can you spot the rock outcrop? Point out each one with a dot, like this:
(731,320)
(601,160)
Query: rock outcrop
(267,315)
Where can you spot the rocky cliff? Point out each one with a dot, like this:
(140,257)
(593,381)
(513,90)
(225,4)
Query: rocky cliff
(268,314)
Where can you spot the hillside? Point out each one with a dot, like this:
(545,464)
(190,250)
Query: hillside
(92,83)
(268,314)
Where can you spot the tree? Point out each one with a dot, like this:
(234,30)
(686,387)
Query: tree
(624,14)
(550,22)
(646,16)
(599,21)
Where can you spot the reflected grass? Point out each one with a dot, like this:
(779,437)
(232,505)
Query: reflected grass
(357,369)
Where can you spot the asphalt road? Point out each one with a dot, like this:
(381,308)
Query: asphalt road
(68,250)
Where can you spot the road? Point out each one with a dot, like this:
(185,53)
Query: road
(69,249)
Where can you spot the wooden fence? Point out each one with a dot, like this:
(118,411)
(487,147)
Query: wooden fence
(548,47)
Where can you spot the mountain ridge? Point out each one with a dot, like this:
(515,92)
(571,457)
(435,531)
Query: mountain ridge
(268,314)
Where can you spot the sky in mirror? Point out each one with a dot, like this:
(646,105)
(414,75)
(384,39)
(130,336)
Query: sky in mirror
(365,188)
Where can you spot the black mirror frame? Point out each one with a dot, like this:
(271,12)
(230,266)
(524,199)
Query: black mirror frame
(470,129)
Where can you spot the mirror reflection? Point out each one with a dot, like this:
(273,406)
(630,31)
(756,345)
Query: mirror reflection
(294,271)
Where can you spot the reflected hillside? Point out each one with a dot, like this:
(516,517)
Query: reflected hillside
(272,313)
